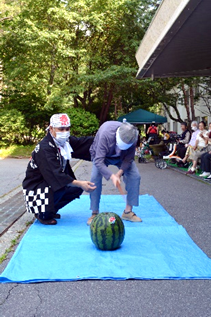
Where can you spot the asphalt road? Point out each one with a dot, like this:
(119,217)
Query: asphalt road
(188,201)
(12,172)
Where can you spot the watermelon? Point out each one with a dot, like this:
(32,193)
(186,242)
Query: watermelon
(107,231)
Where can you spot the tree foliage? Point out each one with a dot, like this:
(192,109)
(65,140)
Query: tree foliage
(82,122)
(59,55)
(12,127)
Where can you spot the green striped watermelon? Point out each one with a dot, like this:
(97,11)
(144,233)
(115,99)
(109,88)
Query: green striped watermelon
(107,231)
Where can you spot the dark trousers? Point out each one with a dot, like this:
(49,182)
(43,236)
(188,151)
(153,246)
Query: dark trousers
(154,137)
(206,162)
(62,197)
(181,150)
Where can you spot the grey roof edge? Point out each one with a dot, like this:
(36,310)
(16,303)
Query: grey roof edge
(177,21)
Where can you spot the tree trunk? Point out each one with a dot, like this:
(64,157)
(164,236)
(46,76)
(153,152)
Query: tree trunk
(115,109)
(52,72)
(186,103)
(178,118)
(192,103)
(110,97)
(83,99)
(75,102)
(106,104)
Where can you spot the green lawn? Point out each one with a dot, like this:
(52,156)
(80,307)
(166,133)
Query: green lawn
(198,172)
(16,151)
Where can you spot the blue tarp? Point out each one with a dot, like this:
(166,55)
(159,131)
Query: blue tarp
(157,248)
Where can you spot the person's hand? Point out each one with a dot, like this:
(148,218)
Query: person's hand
(115,179)
(186,145)
(87,186)
(210,152)
(119,173)
(195,147)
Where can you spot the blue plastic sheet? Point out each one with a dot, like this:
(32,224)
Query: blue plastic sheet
(157,248)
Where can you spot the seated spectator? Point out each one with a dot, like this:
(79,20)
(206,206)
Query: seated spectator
(184,152)
(200,147)
(143,140)
(166,136)
(206,158)
(184,140)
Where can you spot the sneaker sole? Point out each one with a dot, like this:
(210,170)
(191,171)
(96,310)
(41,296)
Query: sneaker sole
(131,220)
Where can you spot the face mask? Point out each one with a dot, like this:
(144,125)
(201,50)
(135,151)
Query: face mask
(194,128)
(62,137)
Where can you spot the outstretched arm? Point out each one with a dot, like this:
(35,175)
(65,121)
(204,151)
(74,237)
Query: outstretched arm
(85,185)
(81,147)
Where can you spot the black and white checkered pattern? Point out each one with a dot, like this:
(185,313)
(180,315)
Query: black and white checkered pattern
(36,201)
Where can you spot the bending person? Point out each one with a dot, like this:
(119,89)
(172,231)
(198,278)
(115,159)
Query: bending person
(50,183)
(114,144)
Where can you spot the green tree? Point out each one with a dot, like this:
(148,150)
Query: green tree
(58,54)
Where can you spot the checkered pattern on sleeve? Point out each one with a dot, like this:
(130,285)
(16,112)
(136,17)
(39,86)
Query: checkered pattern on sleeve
(36,201)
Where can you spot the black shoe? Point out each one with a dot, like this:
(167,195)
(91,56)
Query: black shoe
(186,165)
(56,216)
(46,222)
(180,164)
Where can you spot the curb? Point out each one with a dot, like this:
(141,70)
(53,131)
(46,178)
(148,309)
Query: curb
(191,176)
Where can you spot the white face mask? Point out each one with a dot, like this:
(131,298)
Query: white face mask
(62,137)
(194,128)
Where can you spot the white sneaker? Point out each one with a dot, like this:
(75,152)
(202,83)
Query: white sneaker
(204,174)
(209,177)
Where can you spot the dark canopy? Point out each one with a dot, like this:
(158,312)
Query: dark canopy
(178,41)
(141,116)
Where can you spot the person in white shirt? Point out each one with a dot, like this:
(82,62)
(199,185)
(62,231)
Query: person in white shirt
(206,159)
(191,144)
(200,147)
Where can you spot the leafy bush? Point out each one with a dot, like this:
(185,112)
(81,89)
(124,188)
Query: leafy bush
(82,122)
(12,127)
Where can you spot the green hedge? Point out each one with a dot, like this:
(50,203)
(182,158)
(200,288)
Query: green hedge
(82,122)
(15,130)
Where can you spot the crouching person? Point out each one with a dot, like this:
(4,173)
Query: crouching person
(114,144)
(50,183)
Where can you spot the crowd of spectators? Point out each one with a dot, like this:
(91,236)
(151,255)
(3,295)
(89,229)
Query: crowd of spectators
(194,146)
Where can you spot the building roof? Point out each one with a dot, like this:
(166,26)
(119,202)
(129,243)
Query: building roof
(142,116)
(178,41)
